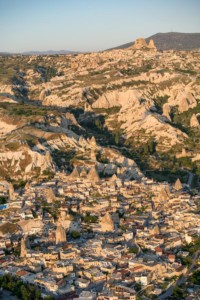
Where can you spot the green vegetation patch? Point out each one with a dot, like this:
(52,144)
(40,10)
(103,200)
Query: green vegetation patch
(185,71)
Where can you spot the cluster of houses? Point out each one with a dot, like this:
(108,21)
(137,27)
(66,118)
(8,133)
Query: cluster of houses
(79,238)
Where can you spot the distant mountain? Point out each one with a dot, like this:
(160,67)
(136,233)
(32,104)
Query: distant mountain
(48,52)
(4,53)
(171,40)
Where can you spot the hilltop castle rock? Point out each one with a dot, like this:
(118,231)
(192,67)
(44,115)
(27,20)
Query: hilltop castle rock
(140,44)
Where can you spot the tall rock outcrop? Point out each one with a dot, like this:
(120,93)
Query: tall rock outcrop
(93,175)
(166,111)
(44,94)
(11,192)
(71,120)
(60,234)
(152,45)
(178,185)
(164,194)
(140,44)
(183,99)
(117,98)
(23,251)
(83,173)
(106,223)
(23,162)
(75,174)
(194,122)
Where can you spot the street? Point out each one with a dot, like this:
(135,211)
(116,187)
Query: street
(181,280)
(8,296)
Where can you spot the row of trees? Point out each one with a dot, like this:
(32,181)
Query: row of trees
(148,148)
(46,72)
(19,289)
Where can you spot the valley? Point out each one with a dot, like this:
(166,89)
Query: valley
(100,174)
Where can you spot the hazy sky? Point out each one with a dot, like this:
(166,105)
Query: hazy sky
(90,25)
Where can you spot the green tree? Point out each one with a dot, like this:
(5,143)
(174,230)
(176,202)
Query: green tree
(117,137)
(133,250)
(24,293)
(3,200)
(98,124)
(75,234)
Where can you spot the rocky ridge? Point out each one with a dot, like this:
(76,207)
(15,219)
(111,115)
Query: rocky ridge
(137,95)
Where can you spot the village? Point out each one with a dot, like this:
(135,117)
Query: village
(79,236)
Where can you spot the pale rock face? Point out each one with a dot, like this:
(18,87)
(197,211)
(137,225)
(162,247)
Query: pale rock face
(5,127)
(137,116)
(154,230)
(28,225)
(42,161)
(6,89)
(166,111)
(164,194)
(178,185)
(140,44)
(151,45)
(51,100)
(184,99)
(184,153)
(60,234)
(194,121)
(83,173)
(82,142)
(68,223)
(75,174)
(24,161)
(7,98)
(49,195)
(93,176)
(71,120)
(93,155)
(23,251)
(114,177)
(117,98)
(11,192)
(196,158)
(44,94)
(128,167)
(10,189)
(93,142)
(87,107)
(106,223)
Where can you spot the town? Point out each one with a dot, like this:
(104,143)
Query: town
(79,236)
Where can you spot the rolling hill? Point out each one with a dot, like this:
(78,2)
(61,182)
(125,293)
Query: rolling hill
(171,40)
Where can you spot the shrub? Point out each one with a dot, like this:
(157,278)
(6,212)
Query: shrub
(75,234)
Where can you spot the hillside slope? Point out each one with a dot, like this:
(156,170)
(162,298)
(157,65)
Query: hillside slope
(171,40)
(141,102)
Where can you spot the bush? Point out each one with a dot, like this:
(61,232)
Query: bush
(133,250)
(3,200)
(90,219)
(75,234)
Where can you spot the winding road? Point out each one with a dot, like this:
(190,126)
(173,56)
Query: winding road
(182,279)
